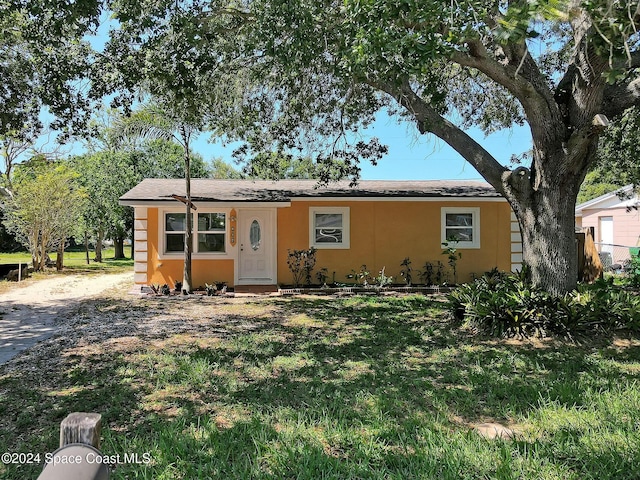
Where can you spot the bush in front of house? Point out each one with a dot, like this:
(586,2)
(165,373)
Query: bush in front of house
(505,304)
(301,264)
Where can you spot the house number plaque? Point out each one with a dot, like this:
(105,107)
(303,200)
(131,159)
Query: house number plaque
(233,220)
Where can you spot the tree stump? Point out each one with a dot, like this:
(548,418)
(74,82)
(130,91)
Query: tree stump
(15,274)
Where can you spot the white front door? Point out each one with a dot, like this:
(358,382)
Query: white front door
(257,247)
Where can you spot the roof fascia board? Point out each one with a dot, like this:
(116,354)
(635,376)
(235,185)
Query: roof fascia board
(203,204)
(238,203)
(400,199)
(603,198)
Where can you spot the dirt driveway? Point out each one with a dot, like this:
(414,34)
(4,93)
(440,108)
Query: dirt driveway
(28,312)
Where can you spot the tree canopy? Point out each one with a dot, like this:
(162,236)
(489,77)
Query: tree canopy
(45,61)
(107,174)
(314,72)
(618,158)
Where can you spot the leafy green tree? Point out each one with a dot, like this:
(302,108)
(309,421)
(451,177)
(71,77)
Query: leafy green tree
(157,56)
(280,166)
(478,60)
(162,158)
(103,216)
(617,162)
(45,209)
(221,170)
(8,241)
(44,56)
(12,146)
(596,183)
(107,174)
(317,71)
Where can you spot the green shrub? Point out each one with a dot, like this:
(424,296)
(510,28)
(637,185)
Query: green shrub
(633,272)
(603,307)
(407,271)
(301,263)
(501,304)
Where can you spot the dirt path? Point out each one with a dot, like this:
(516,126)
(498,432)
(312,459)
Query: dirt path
(28,313)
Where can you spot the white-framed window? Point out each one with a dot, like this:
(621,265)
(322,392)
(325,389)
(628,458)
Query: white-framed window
(461,225)
(175,226)
(329,227)
(209,232)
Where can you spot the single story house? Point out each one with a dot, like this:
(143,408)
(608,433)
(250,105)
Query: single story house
(615,220)
(243,229)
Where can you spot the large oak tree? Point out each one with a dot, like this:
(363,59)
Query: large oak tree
(315,71)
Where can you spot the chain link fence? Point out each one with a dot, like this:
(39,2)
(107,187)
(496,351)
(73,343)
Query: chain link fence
(615,258)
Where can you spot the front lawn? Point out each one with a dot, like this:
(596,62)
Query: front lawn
(309,388)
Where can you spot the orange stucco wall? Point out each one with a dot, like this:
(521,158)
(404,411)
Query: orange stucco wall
(383,233)
(160,271)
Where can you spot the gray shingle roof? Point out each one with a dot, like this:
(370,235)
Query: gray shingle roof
(153,189)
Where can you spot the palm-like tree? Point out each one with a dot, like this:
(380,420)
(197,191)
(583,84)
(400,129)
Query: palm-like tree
(151,121)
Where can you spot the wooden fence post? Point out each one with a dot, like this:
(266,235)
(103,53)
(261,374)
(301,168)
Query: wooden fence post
(580,241)
(78,457)
(80,427)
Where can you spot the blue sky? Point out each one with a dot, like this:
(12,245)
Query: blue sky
(411,155)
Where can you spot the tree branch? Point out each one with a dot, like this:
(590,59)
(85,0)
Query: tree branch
(428,120)
(522,79)
(620,96)
(579,91)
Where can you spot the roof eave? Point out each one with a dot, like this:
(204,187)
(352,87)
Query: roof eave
(595,201)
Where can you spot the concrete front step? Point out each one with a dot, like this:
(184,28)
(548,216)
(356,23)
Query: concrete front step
(256,289)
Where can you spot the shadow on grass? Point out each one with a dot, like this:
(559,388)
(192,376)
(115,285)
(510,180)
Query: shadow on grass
(40,388)
(349,388)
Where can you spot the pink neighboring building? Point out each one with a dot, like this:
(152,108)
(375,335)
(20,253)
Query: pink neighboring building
(616,223)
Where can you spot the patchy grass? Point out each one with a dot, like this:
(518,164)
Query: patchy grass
(75,263)
(362,387)
(110,266)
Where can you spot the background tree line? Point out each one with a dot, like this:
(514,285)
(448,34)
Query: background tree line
(49,201)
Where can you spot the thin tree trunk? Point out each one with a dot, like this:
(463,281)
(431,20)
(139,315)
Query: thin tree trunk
(33,250)
(188,236)
(99,245)
(86,246)
(43,254)
(60,256)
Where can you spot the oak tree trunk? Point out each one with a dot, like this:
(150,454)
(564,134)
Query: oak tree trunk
(118,243)
(544,200)
(547,224)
